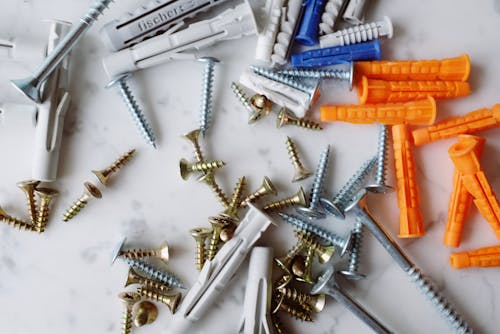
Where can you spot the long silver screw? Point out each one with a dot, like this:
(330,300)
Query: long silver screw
(327,285)
(335,73)
(352,271)
(31,86)
(337,205)
(360,210)
(134,108)
(313,212)
(345,244)
(206,109)
(380,186)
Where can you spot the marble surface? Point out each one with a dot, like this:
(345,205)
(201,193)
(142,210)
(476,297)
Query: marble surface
(62,281)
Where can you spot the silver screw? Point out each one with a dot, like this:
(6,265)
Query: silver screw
(345,244)
(380,185)
(327,285)
(134,108)
(313,211)
(360,210)
(338,204)
(31,86)
(336,73)
(352,271)
(206,109)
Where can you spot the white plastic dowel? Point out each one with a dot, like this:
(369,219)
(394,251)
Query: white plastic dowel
(355,12)
(270,18)
(329,16)
(17,115)
(289,21)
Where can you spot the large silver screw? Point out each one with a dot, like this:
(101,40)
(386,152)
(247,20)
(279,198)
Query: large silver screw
(206,109)
(313,212)
(352,271)
(345,244)
(31,86)
(327,285)
(336,73)
(337,205)
(380,185)
(360,210)
(134,108)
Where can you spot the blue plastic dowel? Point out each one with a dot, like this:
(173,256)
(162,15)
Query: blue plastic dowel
(309,27)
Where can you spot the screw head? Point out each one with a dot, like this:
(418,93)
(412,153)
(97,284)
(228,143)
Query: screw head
(348,244)
(283,117)
(119,78)
(164,252)
(200,232)
(46,193)
(210,60)
(331,208)
(28,185)
(311,213)
(358,200)
(352,275)
(92,190)
(118,249)
(320,303)
(324,280)
(184,168)
(129,298)
(379,188)
(145,313)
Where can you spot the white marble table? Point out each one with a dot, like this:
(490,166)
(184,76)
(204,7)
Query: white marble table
(62,282)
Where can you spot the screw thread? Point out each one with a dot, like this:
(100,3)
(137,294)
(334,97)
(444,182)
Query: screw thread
(120,162)
(238,192)
(207,166)
(163,277)
(213,245)
(296,312)
(152,285)
(193,138)
(281,204)
(311,241)
(353,185)
(295,295)
(164,299)
(140,253)
(318,74)
(207,98)
(43,215)
(200,255)
(381,169)
(284,79)
(136,112)
(241,96)
(127,321)
(76,208)
(97,9)
(17,223)
(216,189)
(357,243)
(305,123)
(278,325)
(295,250)
(293,153)
(308,262)
(444,307)
(319,178)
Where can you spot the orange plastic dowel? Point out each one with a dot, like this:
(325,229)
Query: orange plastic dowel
(449,69)
(477,120)
(421,112)
(466,161)
(380,91)
(410,218)
(482,257)
(460,201)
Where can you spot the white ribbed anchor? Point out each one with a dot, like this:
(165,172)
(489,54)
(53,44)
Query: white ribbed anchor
(330,15)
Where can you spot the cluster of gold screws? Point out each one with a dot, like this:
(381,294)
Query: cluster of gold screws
(129,299)
(171,301)
(301,172)
(267,188)
(285,117)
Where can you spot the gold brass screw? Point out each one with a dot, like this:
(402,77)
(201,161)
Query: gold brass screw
(187,168)
(193,138)
(129,299)
(323,252)
(261,106)
(46,196)
(301,172)
(287,118)
(227,232)
(217,224)
(283,281)
(172,301)
(298,266)
(16,223)
(133,277)
(266,188)
(316,302)
(200,234)
(306,277)
(29,187)
(298,199)
(104,174)
(278,325)
(232,210)
(285,261)
(209,179)
(91,191)
(162,253)
(145,313)
(293,311)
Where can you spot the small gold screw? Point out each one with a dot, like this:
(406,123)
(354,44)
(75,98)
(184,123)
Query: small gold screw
(129,299)
(293,311)
(200,234)
(284,280)
(209,179)
(285,261)
(266,188)
(232,209)
(298,266)
(308,262)
(172,301)
(298,199)
(162,253)
(133,277)
(187,168)
(193,139)
(301,172)
(278,325)
(29,187)
(145,313)
(287,118)
(323,252)
(15,222)
(316,302)
(217,224)
(261,106)
(104,174)
(227,232)
(46,196)
(91,191)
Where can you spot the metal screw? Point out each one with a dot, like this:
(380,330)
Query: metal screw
(278,326)
(200,234)
(193,138)
(187,168)
(267,188)
(172,301)
(209,179)
(298,266)
(305,226)
(145,313)
(16,223)
(352,272)
(308,262)
(134,108)
(284,280)
(360,210)
(232,209)
(46,196)
(317,302)
(285,261)
(31,86)
(298,199)
(162,253)
(380,185)
(133,277)
(313,212)
(286,117)
(326,284)
(301,172)
(128,299)
(262,104)
(104,174)
(338,204)
(253,113)
(324,253)
(293,311)
(206,109)
(227,232)
(336,73)
(217,224)
(29,187)
(91,191)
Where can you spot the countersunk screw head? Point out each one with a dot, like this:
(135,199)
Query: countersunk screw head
(354,276)
(332,208)
(324,280)
(145,313)
(129,298)
(46,193)
(118,249)
(208,60)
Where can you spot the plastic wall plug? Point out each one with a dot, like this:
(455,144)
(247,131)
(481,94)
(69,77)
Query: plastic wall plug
(482,257)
